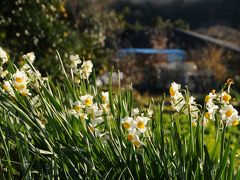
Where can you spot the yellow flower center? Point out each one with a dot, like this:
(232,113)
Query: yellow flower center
(77,108)
(126,125)
(19,80)
(171,91)
(88,102)
(235,122)
(228,113)
(130,137)
(140,125)
(226,97)
(207,115)
(207,98)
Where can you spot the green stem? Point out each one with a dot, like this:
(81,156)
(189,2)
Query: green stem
(222,142)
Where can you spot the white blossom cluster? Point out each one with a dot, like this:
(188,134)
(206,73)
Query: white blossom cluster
(86,109)
(228,114)
(22,77)
(217,105)
(136,126)
(179,103)
(80,70)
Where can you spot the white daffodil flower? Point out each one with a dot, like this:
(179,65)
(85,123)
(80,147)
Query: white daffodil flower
(87,100)
(227,111)
(140,123)
(29,56)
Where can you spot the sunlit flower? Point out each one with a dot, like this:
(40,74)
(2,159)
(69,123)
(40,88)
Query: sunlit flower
(20,80)
(209,99)
(77,106)
(135,112)
(174,90)
(210,114)
(140,123)
(105,97)
(29,56)
(87,100)
(193,107)
(97,121)
(134,138)
(127,123)
(74,61)
(7,86)
(3,56)
(225,97)
(86,69)
(177,99)
(80,114)
(233,121)
(227,111)
(150,112)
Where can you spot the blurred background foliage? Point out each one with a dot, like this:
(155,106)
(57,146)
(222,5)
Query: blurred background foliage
(43,26)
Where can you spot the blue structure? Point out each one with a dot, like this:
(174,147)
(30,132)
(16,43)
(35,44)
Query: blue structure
(171,54)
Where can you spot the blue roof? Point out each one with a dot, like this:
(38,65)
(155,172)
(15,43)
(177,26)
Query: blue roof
(171,54)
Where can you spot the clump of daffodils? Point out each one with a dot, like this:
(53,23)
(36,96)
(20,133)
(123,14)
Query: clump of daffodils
(33,75)
(136,126)
(80,70)
(177,99)
(20,81)
(91,112)
(180,104)
(23,76)
(211,107)
(86,69)
(219,104)
(216,105)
